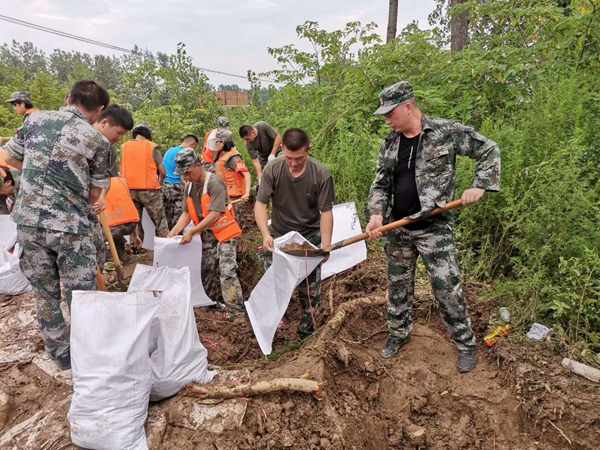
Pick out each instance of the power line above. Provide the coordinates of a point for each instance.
(64, 34)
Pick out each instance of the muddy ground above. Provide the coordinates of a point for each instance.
(519, 397)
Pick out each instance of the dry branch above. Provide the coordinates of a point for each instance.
(331, 328)
(252, 389)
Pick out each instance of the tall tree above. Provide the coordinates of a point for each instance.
(392, 21)
(459, 27)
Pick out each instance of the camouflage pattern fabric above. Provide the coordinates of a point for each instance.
(118, 233)
(230, 284)
(210, 266)
(62, 156)
(51, 259)
(308, 291)
(442, 140)
(435, 244)
(173, 202)
(152, 200)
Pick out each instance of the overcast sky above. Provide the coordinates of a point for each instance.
(226, 35)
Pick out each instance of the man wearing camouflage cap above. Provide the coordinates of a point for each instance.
(205, 204)
(231, 169)
(415, 174)
(21, 101)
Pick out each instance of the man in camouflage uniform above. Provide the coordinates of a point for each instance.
(228, 160)
(172, 190)
(63, 160)
(415, 174)
(191, 169)
(23, 104)
(114, 123)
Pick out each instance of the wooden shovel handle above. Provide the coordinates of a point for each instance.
(397, 224)
(111, 243)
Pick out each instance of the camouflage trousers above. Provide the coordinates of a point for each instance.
(173, 202)
(219, 270)
(153, 202)
(118, 233)
(435, 245)
(308, 291)
(51, 259)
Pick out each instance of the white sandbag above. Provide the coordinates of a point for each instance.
(149, 231)
(8, 232)
(111, 334)
(178, 358)
(12, 280)
(168, 252)
(346, 224)
(270, 298)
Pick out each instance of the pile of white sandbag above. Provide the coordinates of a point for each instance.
(12, 280)
(127, 349)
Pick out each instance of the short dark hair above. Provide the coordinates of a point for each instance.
(142, 131)
(89, 95)
(245, 130)
(117, 116)
(295, 139)
(27, 104)
(191, 136)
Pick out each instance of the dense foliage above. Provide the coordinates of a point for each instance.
(166, 91)
(528, 79)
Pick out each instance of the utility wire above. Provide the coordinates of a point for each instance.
(54, 31)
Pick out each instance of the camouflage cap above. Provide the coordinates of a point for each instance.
(184, 160)
(20, 96)
(220, 135)
(393, 95)
(222, 122)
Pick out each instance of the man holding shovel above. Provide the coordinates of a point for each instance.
(416, 174)
(301, 193)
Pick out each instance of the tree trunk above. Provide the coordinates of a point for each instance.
(392, 20)
(459, 28)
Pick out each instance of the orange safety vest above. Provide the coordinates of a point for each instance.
(206, 153)
(138, 165)
(119, 205)
(226, 227)
(236, 185)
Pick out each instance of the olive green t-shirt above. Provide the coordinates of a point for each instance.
(215, 189)
(297, 203)
(263, 144)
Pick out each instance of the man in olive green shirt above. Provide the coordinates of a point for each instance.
(301, 192)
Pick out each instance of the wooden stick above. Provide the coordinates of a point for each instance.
(111, 244)
(100, 281)
(254, 389)
(580, 369)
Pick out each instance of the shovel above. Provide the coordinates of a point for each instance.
(113, 248)
(301, 250)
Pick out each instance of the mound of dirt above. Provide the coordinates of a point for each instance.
(517, 398)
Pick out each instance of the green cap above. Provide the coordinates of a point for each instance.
(20, 96)
(393, 95)
(184, 160)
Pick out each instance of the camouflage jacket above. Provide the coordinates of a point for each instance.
(435, 165)
(63, 155)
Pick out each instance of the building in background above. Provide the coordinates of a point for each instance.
(231, 98)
